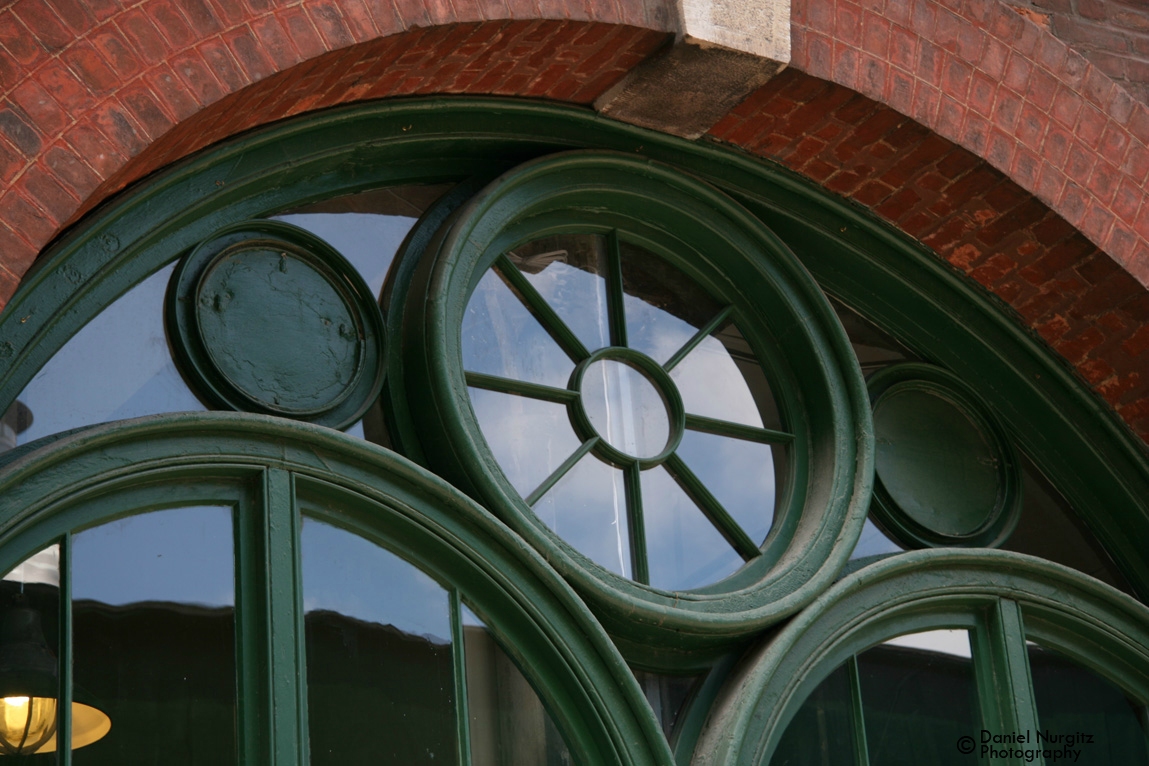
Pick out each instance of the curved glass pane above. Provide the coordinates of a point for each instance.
(625, 408)
(508, 724)
(153, 605)
(528, 437)
(568, 273)
(587, 509)
(1080, 710)
(380, 668)
(685, 549)
(501, 337)
(822, 732)
(117, 366)
(722, 379)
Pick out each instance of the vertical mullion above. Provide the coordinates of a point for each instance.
(252, 644)
(633, 480)
(616, 314)
(857, 714)
(288, 661)
(64, 633)
(1002, 674)
(459, 661)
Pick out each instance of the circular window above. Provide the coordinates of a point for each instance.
(639, 378)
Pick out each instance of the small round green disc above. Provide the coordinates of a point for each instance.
(266, 317)
(946, 473)
(278, 330)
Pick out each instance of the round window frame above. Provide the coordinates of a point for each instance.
(705, 234)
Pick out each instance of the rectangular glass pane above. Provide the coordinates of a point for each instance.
(509, 725)
(29, 685)
(153, 605)
(918, 698)
(1079, 710)
(380, 668)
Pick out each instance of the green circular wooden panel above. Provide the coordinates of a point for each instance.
(945, 472)
(269, 318)
(777, 307)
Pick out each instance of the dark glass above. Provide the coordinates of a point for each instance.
(1072, 700)
(1049, 528)
(30, 597)
(684, 548)
(739, 473)
(117, 366)
(668, 696)
(153, 605)
(587, 509)
(822, 731)
(508, 724)
(380, 680)
(567, 272)
(501, 337)
(918, 698)
(874, 347)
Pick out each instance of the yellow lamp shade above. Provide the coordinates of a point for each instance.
(28, 725)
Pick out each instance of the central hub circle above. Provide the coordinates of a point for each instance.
(625, 408)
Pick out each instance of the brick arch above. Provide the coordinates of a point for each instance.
(978, 73)
(96, 95)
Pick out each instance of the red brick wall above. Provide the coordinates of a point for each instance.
(1113, 34)
(1061, 285)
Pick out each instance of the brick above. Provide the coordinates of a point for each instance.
(83, 59)
(117, 52)
(250, 54)
(25, 218)
(20, 132)
(1041, 89)
(171, 23)
(67, 167)
(194, 72)
(302, 32)
(49, 195)
(329, 21)
(174, 94)
(39, 107)
(145, 110)
(903, 48)
(143, 35)
(44, 25)
(201, 17)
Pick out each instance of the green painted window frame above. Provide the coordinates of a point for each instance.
(1000, 596)
(258, 465)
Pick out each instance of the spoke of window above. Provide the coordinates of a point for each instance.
(561, 471)
(614, 292)
(1002, 671)
(64, 709)
(459, 661)
(633, 477)
(521, 388)
(713, 509)
(737, 430)
(542, 310)
(857, 714)
(699, 336)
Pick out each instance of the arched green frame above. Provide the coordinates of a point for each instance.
(1073, 437)
(1000, 596)
(779, 309)
(261, 464)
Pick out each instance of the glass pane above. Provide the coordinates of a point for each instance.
(117, 366)
(874, 542)
(1072, 700)
(722, 379)
(153, 605)
(529, 438)
(587, 509)
(918, 698)
(380, 680)
(874, 348)
(822, 731)
(567, 271)
(740, 475)
(367, 228)
(29, 670)
(667, 696)
(509, 725)
(500, 337)
(664, 307)
(684, 549)
(1050, 529)
(625, 408)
